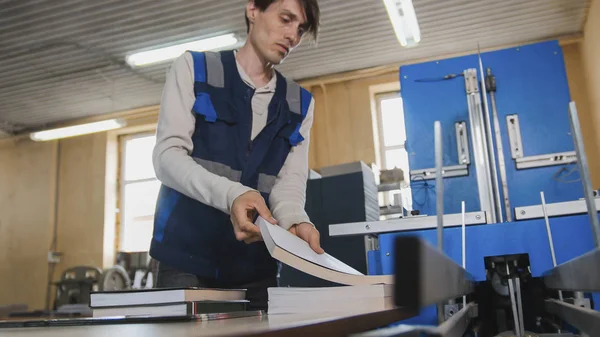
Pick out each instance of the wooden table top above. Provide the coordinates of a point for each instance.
(311, 325)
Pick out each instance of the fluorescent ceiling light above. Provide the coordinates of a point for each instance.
(404, 20)
(77, 130)
(153, 56)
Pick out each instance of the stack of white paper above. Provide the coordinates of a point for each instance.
(296, 253)
(344, 299)
(360, 293)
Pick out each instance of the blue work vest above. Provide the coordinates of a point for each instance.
(199, 239)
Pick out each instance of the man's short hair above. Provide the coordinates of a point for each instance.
(311, 9)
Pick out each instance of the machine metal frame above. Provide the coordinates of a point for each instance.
(553, 209)
(464, 158)
(584, 319)
(480, 146)
(580, 274)
(517, 152)
(490, 83)
(405, 224)
(455, 326)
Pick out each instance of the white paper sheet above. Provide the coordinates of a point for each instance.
(293, 244)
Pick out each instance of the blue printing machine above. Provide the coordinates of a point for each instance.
(571, 234)
(531, 82)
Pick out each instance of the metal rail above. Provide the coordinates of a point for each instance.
(419, 271)
(579, 274)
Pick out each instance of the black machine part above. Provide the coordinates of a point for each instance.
(495, 306)
(490, 81)
(115, 278)
(76, 284)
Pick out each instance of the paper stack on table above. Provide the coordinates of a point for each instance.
(343, 299)
(361, 293)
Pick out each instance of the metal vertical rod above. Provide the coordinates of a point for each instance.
(513, 303)
(439, 184)
(584, 172)
(479, 143)
(490, 143)
(520, 306)
(464, 246)
(499, 146)
(488, 178)
(549, 231)
(578, 295)
(439, 202)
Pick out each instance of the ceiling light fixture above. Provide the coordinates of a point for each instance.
(77, 130)
(404, 20)
(158, 55)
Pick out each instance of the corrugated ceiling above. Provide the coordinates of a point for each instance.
(62, 60)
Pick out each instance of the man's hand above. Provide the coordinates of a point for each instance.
(243, 210)
(308, 233)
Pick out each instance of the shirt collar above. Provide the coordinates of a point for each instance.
(269, 87)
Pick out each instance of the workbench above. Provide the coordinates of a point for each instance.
(316, 324)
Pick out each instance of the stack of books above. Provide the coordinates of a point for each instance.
(343, 299)
(167, 302)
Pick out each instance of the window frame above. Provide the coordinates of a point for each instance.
(123, 139)
(379, 97)
(381, 149)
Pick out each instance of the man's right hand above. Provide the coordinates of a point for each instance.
(243, 210)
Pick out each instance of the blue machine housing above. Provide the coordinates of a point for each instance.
(531, 82)
(571, 234)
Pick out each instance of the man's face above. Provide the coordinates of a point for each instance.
(277, 30)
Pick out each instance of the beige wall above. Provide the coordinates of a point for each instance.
(28, 181)
(342, 131)
(578, 88)
(81, 201)
(590, 51)
(27, 176)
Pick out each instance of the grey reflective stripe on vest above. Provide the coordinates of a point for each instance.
(265, 182)
(220, 169)
(214, 68)
(293, 96)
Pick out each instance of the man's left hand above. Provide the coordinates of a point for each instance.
(308, 233)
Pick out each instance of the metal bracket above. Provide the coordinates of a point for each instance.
(582, 302)
(553, 209)
(514, 136)
(522, 162)
(546, 160)
(447, 172)
(464, 158)
(462, 143)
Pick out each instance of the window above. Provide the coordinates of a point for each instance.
(138, 192)
(392, 138)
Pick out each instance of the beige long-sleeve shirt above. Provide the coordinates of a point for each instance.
(175, 167)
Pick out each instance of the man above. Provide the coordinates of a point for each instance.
(232, 136)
